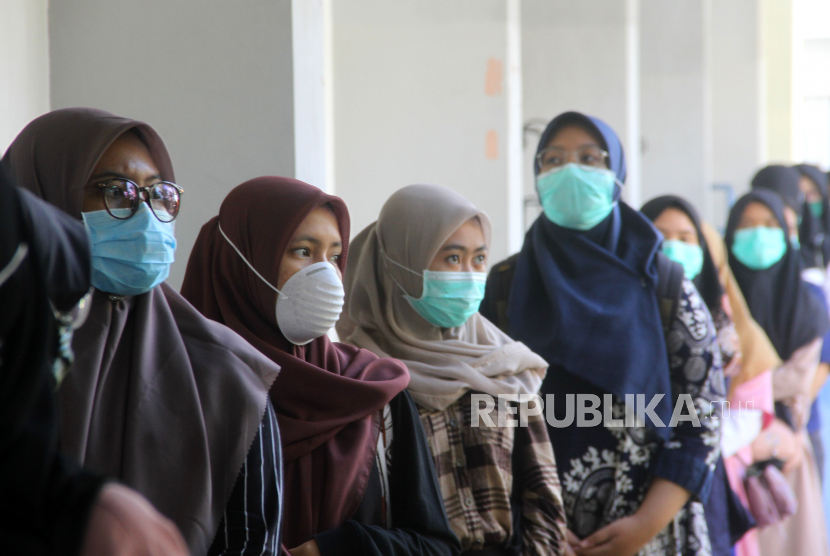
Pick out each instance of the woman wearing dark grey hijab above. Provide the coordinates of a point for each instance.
(159, 397)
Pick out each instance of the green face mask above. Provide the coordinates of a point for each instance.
(689, 256)
(449, 298)
(794, 241)
(576, 197)
(817, 209)
(759, 248)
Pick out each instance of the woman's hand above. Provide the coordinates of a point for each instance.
(628, 535)
(624, 537)
(308, 548)
(778, 440)
(572, 542)
(123, 522)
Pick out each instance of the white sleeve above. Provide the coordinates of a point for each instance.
(739, 428)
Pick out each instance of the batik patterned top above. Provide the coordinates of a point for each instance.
(607, 470)
(488, 473)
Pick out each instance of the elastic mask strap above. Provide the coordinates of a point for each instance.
(385, 259)
(241, 256)
(14, 263)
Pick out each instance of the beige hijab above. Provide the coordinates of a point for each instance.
(444, 363)
(757, 353)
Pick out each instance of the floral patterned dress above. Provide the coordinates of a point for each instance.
(606, 471)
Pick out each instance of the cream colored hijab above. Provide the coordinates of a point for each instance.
(444, 363)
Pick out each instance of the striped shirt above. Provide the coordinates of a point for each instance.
(253, 514)
(478, 468)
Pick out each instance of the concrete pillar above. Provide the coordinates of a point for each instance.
(24, 65)
(217, 79)
(777, 48)
(426, 92)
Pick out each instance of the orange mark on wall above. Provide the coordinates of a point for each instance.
(491, 145)
(493, 77)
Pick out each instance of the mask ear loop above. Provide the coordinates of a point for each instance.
(386, 258)
(241, 256)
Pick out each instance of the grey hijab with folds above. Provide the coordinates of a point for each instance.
(160, 398)
(444, 363)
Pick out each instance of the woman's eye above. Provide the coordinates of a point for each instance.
(335, 258)
(453, 259)
(480, 259)
(302, 252)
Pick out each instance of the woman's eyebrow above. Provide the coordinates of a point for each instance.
(309, 239)
(453, 247)
(114, 174)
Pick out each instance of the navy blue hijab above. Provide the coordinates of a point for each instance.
(586, 301)
(778, 299)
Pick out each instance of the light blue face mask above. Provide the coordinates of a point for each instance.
(759, 248)
(448, 298)
(577, 197)
(129, 257)
(689, 256)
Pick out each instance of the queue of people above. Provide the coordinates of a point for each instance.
(223, 420)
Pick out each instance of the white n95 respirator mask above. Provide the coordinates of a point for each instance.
(310, 302)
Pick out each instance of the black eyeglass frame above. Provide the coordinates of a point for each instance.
(102, 185)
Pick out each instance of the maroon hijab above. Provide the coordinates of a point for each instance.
(161, 398)
(328, 395)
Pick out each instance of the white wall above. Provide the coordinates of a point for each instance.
(24, 65)
(213, 77)
(413, 91)
(674, 91)
(737, 108)
(420, 96)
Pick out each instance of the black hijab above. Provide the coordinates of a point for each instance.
(586, 301)
(779, 300)
(45, 500)
(813, 231)
(783, 180)
(707, 282)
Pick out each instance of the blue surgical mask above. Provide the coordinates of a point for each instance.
(449, 298)
(689, 256)
(575, 196)
(759, 248)
(795, 242)
(129, 257)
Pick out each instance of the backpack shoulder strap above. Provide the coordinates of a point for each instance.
(669, 286)
(501, 280)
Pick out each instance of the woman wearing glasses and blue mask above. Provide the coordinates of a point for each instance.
(413, 291)
(585, 292)
(159, 397)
